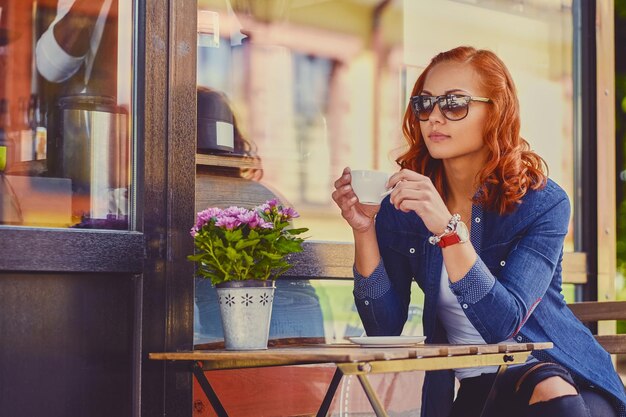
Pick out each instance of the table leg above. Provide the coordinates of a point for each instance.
(330, 393)
(371, 396)
(208, 390)
(493, 392)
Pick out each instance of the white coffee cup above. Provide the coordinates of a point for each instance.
(369, 185)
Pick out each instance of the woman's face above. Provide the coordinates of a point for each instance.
(446, 139)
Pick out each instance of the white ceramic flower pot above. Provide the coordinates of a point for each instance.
(246, 310)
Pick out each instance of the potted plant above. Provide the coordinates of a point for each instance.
(242, 251)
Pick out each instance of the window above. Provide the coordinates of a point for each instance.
(65, 114)
(317, 86)
(302, 89)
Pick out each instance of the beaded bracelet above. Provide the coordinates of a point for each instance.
(434, 239)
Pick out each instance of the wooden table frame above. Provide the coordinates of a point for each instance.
(353, 360)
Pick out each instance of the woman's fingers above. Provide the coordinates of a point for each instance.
(402, 175)
(409, 177)
(425, 202)
(407, 198)
(346, 178)
(359, 217)
(343, 193)
(399, 195)
(407, 189)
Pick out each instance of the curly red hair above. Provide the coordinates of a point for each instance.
(511, 168)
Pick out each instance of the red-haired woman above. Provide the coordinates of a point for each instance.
(475, 221)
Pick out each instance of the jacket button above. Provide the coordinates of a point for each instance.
(477, 219)
(464, 306)
(366, 302)
(502, 263)
(412, 250)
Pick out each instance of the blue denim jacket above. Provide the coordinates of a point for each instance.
(512, 290)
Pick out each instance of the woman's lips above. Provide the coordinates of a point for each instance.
(438, 137)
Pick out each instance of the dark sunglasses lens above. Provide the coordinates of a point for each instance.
(422, 106)
(454, 107)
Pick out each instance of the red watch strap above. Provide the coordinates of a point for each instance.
(449, 240)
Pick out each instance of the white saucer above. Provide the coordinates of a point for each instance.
(387, 341)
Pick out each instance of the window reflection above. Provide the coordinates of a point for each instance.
(318, 86)
(314, 309)
(64, 113)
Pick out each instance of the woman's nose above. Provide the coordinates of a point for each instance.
(436, 116)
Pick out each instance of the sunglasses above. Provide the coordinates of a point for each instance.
(453, 106)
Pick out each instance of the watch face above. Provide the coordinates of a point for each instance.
(462, 232)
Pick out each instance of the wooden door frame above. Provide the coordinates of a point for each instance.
(166, 99)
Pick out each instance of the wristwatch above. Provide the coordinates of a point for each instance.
(459, 234)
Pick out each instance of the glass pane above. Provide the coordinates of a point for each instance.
(620, 127)
(65, 113)
(302, 308)
(319, 85)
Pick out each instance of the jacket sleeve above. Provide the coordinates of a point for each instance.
(377, 303)
(498, 308)
(383, 298)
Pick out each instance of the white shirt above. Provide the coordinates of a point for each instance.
(458, 327)
(56, 65)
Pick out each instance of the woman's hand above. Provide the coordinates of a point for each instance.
(416, 192)
(359, 216)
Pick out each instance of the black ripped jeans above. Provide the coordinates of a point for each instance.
(514, 389)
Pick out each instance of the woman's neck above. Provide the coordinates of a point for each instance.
(461, 177)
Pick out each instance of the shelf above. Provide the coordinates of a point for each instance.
(232, 161)
(28, 168)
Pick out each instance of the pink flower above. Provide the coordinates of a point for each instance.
(204, 217)
(227, 222)
(253, 220)
(217, 232)
(263, 208)
(267, 207)
(288, 213)
(234, 211)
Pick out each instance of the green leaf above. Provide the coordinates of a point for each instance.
(288, 246)
(232, 254)
(272, 256)
(242, 244)
(217, 242)
(270, 235)
(233, 235)
(281, 271)
(297, 231)
(247, 259)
